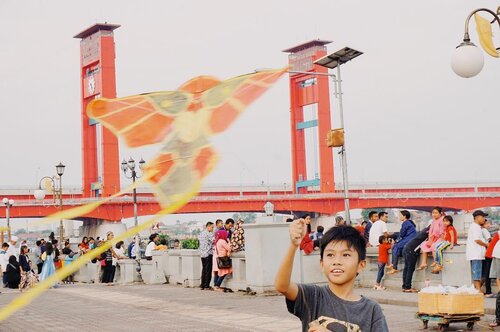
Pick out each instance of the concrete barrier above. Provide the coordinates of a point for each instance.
(256, 267)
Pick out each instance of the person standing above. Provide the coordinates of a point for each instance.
(222, 249)
(206, 249)
(108, 274)
(372, 218)
(237, 241)
(228, 226)
(4, 261)
(411, 251)
(476, 247)
(48, 268)
(38, 255)
(27, 277)
(379, 228)
(219, 225)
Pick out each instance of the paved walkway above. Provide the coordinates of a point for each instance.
(175, 308)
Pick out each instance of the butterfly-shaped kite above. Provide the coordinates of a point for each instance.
(183, 121)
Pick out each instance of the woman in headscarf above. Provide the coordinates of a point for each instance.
(13, 273)
(221, 249)
(237, 241)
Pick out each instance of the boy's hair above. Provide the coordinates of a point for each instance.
(449, 218)
(364, 222)
(371, 214)
(289, 220)
(344, 233)
(230, 221)
(405, 213)
(5, 245)
(381, 239)
(304, 216)
(209, 224)
(381, 214)
(38, 242)
(320, 229)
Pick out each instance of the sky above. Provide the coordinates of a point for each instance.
(408, 117)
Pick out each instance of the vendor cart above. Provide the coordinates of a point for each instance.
(444, 320)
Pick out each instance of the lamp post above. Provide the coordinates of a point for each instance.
(467, 60)
(332, 61)
(8, 204)
(129, 168)
(40, 194)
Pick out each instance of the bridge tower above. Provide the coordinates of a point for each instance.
(101, 171)
(310, 118)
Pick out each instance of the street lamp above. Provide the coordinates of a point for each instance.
(8, 203)
(331, 61)
(467, 60)
(129, 167)
(40, 194)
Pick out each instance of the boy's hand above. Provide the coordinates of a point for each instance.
(297, 231)
(451, 246)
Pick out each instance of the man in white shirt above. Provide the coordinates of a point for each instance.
(379, 228)
(12, 247)
(476, 247)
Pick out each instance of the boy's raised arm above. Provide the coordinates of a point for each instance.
(282, 282)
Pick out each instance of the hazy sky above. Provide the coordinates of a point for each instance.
(408, 117)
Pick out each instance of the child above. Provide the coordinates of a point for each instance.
(383, 259)
(335, 306)
(450, 239)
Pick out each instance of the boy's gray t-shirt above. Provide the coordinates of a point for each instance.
(320, 304)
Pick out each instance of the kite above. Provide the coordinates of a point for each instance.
(183, 122)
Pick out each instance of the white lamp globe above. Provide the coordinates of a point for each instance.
(39, 194)
(467, 60)
(5, 200)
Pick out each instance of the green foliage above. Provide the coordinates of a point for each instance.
(190, 244)
(164, 237)
(249, 217)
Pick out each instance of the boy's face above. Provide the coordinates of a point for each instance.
(341, 264)
(374, 217)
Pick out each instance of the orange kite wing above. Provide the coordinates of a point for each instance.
(141, 119)
(230, 98)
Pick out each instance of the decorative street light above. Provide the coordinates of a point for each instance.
(40, 194)
(331, 61)
(129, 167)
(467, 60)
(8, 204)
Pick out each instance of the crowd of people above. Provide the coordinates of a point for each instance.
(216, 245)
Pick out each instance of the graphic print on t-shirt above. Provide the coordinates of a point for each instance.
(335, 325)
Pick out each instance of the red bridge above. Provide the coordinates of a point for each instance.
(308, 86)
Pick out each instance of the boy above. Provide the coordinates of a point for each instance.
(383, 258)
(333, 307)
(450, 239)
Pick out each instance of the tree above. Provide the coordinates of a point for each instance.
(248, 217)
